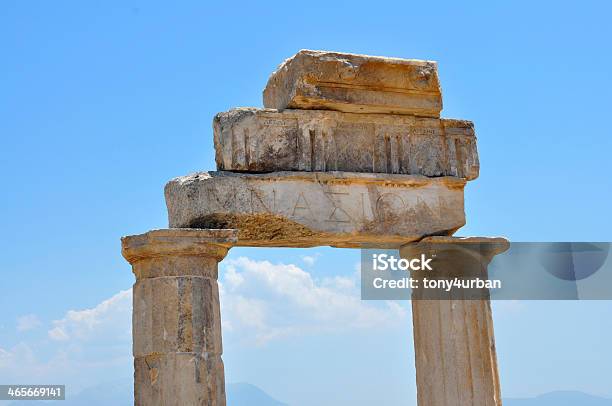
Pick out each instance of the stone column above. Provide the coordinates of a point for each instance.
(176, 322)
(456, 363)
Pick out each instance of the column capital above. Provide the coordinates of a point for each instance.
(178, 242)
(485, 247)
(455, 259)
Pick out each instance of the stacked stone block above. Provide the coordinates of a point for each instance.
(350, 150)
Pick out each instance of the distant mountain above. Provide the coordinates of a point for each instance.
(560, 398)
(245, 394)
(120, 393)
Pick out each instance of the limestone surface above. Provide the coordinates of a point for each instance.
(303, 209)
(178, 379)
(324, 80)
(264, 140)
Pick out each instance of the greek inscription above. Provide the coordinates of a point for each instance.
(271, 122)
(423, 131)
(302, 204)
(389, 205)
(338, 214)
(259, 205)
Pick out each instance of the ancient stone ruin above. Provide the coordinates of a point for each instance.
(349, 151)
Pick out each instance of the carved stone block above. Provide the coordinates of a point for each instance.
(302, 209)
(256, 140)
(324, 80)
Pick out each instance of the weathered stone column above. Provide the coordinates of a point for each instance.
(176, 321)
(456, 363)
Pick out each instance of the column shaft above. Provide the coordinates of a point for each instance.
(455, 353)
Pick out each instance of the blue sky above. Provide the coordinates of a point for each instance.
(102, 103)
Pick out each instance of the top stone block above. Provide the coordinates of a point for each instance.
(322, 80)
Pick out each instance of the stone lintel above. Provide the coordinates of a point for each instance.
(324, 80)
(178, 242)
(304, 209)
(265, 140)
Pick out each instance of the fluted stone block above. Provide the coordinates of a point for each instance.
(178, 379)
(176, 318)
(325, 80)
(184, 310)
(265, 140)
(318, 208)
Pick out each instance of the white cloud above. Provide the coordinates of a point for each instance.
(310, 259)
(21, 353)
(111, 318)
(28, 322)
(268, 301)
(81, 349)
(58, 334)
(260, 300)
